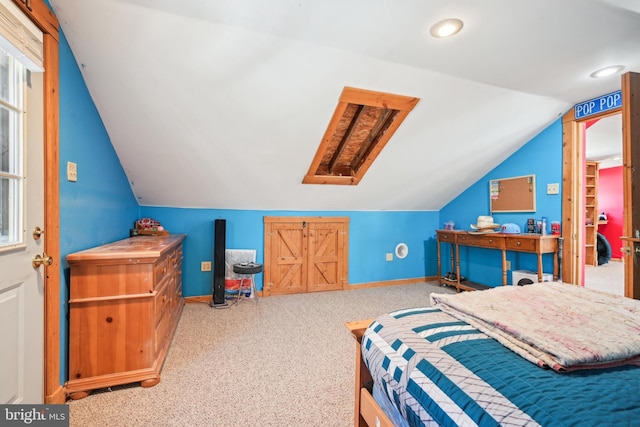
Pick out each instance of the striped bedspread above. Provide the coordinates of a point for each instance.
(564, 327)
(437, 370)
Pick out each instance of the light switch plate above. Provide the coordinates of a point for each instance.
(389, 257)
(205, 266)
(72, 171)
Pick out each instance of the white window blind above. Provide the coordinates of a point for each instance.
(20, 37)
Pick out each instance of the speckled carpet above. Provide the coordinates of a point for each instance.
(285, 361)
(607, 277)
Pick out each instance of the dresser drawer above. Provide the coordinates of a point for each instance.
(482, 240)
(162, 329)
(163, 298)
(520, 244)
(161, 269)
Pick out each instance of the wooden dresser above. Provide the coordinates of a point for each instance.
(125, 301)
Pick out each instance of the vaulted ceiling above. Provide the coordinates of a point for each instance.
(231, 99)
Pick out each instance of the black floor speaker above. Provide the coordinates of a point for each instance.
(219, 243)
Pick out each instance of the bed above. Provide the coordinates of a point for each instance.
(547, 354)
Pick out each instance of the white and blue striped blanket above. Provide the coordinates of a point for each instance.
(440, 371)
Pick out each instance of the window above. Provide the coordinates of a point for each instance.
(12, 74)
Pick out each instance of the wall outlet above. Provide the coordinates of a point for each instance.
(389, 257)
(72, 171)
(205, 266)
(553, 188)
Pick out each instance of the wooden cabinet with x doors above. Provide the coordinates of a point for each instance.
(305, 254)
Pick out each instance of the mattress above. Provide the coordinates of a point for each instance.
(437, 370)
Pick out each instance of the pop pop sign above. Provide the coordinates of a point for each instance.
(598, 105)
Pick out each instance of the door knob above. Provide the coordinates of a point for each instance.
(37, 232)
(626, 250)
(38, 260)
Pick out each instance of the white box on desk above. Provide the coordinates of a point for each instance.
(518, 275)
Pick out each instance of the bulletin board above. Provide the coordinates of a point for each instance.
(516, 194)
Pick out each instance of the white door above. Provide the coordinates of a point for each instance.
(21, 285)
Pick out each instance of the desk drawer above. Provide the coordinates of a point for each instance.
(481, 240)
(446, 237)
(520, 244)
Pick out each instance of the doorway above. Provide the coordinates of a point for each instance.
(305, 254)
(573, 201)
(604, 271)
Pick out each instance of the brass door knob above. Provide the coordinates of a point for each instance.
(38, 260)
(37, 233)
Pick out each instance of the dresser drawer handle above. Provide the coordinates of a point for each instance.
(518, 243)
(109, 319)
(490, 240)
(464, 238)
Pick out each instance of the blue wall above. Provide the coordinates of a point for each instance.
(542, 156)
(100, 207)
(371, 236)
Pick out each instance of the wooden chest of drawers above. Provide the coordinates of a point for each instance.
(125, 301)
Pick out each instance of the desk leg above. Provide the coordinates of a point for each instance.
(452, 264)
(439, 264)
(555, 266)
(504, 267)
(458, 267)
(540, 268)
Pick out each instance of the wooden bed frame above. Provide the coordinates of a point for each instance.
(365, 410)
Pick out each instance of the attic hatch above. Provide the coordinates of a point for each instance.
(362, 124)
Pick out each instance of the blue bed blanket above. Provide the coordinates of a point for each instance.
(440, 371)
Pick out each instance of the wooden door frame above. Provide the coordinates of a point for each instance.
(573, 204)
(631, 130)
(573, 181)
(317, 219)
(40, 14)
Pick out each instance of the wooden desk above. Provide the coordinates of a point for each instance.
(529, 243)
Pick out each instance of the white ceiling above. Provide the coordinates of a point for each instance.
(604, 141)
(223, 103)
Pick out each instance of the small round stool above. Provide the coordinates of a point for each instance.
(248, 269)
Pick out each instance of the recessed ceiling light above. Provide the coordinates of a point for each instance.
(446, 28)
(607, 71)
